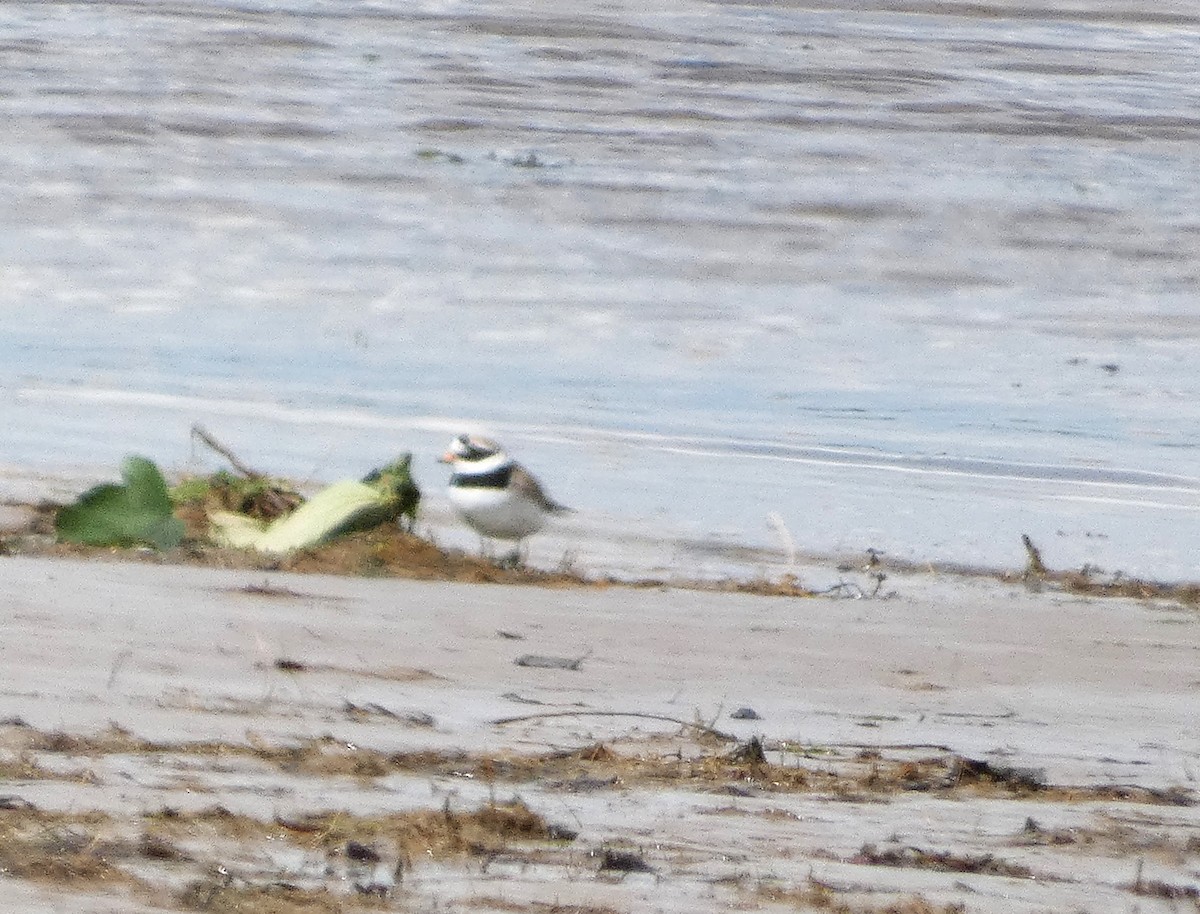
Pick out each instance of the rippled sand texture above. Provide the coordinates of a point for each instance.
(914, 276)
(191, 739)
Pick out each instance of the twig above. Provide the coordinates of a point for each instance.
(849, 589)
(895, 747)
(1036, 566)
(200, 432)
(277, 503)
(703, 728)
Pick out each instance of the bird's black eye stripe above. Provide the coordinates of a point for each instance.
(472, 451)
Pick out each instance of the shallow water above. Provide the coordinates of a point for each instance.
(918, 276)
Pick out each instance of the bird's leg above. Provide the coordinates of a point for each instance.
(514, 559)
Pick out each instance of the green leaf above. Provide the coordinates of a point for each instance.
(395, 484)
(123, 515)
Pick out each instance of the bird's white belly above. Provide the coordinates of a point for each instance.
(496, 512)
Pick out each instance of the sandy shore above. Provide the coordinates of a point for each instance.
(962, 742)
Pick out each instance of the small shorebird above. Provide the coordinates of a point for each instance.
(493, 493)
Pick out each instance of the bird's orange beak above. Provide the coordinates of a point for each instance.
(448, 457)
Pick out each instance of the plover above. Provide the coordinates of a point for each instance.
(493, 493)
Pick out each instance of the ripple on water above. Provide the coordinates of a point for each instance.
(857, 267)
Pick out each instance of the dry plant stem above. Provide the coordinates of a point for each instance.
(1036, 566)
(847, 588)
(703, 728)
(201, 433)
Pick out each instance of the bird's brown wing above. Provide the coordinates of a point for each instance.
(523, 481)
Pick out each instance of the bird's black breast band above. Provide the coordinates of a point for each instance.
(497, 479)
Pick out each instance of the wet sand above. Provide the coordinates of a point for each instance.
(183, 738)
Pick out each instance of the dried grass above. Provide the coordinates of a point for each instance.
(219, 894)
(817, 896)
(59, 849)
(859, 776)
(939, 861)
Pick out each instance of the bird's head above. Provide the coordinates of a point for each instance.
(470, 449)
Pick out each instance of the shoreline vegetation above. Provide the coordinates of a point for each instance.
(377, 538)
(388, 551)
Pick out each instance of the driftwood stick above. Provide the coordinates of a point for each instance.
(703, 728)
(200, 432)
(278, 504)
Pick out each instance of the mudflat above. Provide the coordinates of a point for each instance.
(181, 738)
